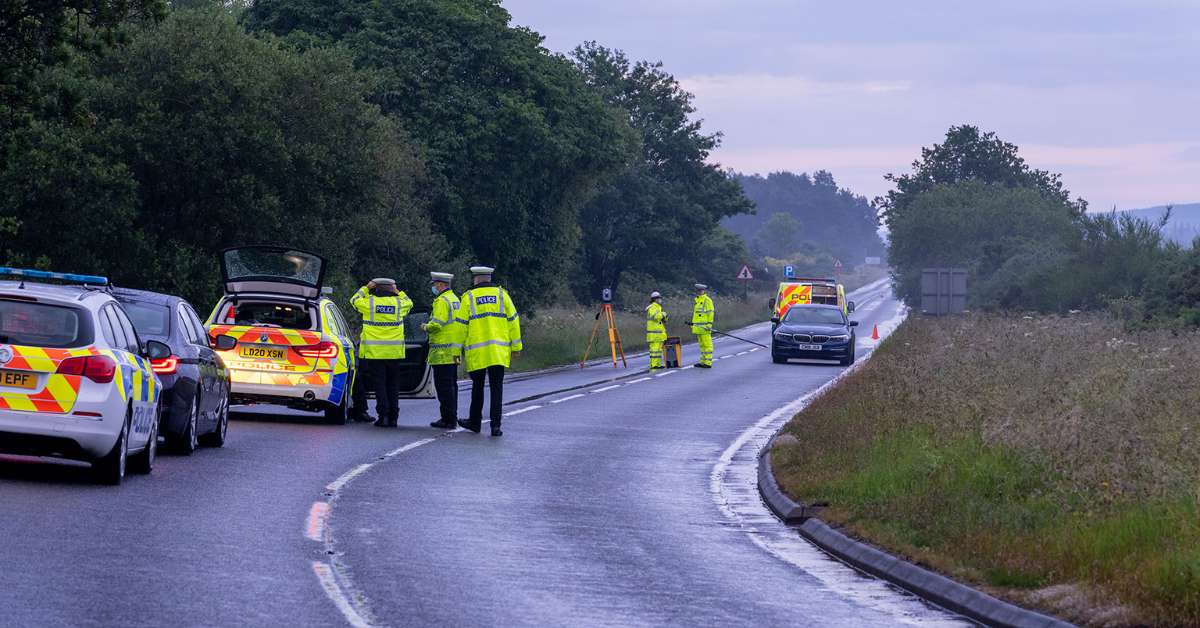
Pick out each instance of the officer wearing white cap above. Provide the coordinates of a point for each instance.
(381, 346)
(656, 330)
(702, 319)
(446, 336)
(493, 338)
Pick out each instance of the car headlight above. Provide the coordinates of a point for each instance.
(782, 336)
(841, 338)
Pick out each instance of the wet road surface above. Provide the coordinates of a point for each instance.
(614, 498)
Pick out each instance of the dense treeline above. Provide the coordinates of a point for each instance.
(972, 203)
(391, 137)
(808, 222)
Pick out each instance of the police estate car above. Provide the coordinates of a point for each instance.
(75, 379)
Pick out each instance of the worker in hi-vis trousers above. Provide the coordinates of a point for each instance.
(702, 320)
(656, 330)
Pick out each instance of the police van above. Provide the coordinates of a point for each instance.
(76, 381)
(809, 291)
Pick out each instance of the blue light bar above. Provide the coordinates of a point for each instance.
(41, 274)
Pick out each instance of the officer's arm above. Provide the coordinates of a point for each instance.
(360, 301)
(439, 316)
(514, 325)
(406, 305)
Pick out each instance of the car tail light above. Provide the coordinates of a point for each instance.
(98, 368)
(323, 350)
(165, 365)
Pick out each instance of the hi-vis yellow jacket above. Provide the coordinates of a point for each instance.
(493, 327)
(702, 315)
(383, 324)
(446, 333)
(656, 331)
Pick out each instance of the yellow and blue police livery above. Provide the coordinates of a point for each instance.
(293, 347)
(75, 379)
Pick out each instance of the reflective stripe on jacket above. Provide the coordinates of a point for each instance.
(493, 327)
(446, 333)
(383, 324)
(703, 314)
(656, 331)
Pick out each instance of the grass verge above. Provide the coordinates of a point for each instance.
(1050, 460)
(559, 335)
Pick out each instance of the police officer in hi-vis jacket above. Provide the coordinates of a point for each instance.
(446, 335)
(381, 346)
(493, 338)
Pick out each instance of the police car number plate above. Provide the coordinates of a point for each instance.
(18, 379)
(259, 352)
(810, 347)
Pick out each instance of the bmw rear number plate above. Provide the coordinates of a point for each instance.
(269, 354)
(810, 347)
(17, 379)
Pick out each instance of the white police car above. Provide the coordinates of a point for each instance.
(75, 380)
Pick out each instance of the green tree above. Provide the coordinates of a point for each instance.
(968, 154)
(39, 34)
(206, 137)
(779, 234)
(655, 214)
(516, 143)
(978, 227)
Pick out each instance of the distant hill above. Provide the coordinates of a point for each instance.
(1184, 225)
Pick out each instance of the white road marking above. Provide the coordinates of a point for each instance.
(644, 379)
(408, 447)
(521, 410)
(756, 349)
(335, 593)
(737, 470)
(744, 352)
(613, 387)
(567, 398)
(666, 373)
(725, 356)
(317, 518)
(690, 366)
(347, 476)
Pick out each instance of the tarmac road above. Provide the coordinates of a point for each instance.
(614, 498)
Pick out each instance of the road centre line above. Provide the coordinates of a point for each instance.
(666, 373)
(329, 583)
(347, 476)
(614, 386)
(644, 379)
(527, 409)
(407, 447)
(744, 352)
(566, 398)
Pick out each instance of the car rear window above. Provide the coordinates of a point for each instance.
(813, 316)
(268, 314)
(149, 318)
(43, 325)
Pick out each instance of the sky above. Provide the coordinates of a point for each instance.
(1105, 92)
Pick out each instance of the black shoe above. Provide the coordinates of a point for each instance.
(444, 424)
(703, 366)
(393, 422)
(496, 431)
(467, 425)
(362, 418)
(381, 422)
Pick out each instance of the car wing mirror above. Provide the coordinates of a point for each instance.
(771, 304)
(854, 323)
(850, 306)
(775, 319)
(156, 350)
(226, 342)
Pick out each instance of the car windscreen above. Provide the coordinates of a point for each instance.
(824, 295)
(149, 319)
(268, 314)
(44, 325)
(799, 315)
(272, 263)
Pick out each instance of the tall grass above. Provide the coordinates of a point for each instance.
(559, 335)
(1053, 458)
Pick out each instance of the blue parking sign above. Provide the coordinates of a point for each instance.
(789, 271)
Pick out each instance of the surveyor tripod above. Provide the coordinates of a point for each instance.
(614, 336)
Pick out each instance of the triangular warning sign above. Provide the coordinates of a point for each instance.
(745, 272)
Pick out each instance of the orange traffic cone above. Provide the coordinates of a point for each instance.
(875, 333)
